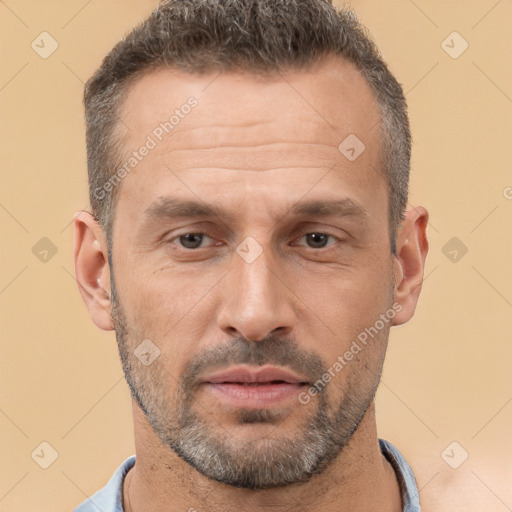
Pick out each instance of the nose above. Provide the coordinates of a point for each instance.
(256, 300)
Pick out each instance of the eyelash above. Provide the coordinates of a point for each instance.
(210, 235)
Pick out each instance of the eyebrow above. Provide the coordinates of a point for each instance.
(165, 208)
(341, 207)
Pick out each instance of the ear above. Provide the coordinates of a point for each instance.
(91, 268)
(409, 262)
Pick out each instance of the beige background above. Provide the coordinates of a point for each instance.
(447, 375)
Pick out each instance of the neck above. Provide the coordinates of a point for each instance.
(360, 479)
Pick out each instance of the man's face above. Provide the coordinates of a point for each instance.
(269, 287)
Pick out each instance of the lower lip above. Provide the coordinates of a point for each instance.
(260, 396)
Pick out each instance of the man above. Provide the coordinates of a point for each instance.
(250, 245)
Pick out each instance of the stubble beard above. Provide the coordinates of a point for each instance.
(275, 460)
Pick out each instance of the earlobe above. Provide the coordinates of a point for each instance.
(409, 262)
(91, 268)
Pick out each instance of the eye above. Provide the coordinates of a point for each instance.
(317, 240)
(192, 240)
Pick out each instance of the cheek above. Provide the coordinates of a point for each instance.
(171, 311)
(350, 300)
(348, 313)
(357, 366)
(161, 299)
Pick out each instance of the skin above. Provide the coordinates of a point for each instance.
(255, 148)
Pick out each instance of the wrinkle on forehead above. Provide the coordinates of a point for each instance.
(240, 109)
(288, 130)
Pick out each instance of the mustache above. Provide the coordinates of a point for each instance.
(274, 350)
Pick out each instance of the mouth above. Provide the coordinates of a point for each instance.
(243, 386)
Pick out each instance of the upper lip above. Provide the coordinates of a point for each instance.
(247, 374)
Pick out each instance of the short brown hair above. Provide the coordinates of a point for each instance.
(261, 36)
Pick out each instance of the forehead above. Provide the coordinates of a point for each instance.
(231, 127)
(320, 104)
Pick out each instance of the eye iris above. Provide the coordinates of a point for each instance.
(193, 240)
(317, 239)
(188, 240)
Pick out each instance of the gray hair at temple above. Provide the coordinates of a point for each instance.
(263, 37)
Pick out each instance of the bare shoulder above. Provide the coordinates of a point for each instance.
(476, 485)
(462, 490)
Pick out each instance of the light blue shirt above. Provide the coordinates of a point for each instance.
(110, 498)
